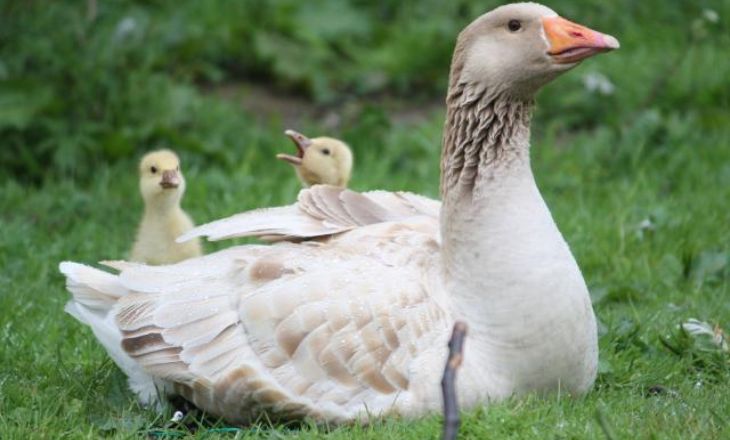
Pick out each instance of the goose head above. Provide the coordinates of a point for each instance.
(160, 178)
(518, 48)
(320, 160)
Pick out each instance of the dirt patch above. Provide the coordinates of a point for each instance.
(266, 103)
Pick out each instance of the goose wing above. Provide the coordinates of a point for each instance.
(322, 210)
(330, 331)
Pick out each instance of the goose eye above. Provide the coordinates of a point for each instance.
(326, 152)
(514, 25)
(153, 170)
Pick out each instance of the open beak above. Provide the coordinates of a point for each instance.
(301, 142)
(170, 179)
(571, 43)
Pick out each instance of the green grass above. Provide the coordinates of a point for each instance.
(655, 152)
(601, 185)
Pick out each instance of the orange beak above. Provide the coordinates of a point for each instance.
(571, 43)
(170, 179)
(301, 142)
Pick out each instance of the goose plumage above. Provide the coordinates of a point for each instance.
(347, 316)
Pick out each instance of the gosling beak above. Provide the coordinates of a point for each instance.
(170, 179)
(301, 142)
(571, 43)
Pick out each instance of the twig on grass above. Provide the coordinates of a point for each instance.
(448, 386)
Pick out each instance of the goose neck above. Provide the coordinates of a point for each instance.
(492, 213)
(486, 138)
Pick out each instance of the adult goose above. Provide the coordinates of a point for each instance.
(354, 325)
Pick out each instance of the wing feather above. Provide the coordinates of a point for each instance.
(320, 211)
(284, 221)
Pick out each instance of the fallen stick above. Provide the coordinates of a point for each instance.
(448, 385)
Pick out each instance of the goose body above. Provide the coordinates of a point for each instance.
(347, 315)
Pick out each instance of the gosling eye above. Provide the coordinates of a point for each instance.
(514, 25)
(153, 169)
(177, 168)
(326, 151)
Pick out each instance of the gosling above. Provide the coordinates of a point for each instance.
(162, 186)
(319, 161)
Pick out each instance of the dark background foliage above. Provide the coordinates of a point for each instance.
(89, 81)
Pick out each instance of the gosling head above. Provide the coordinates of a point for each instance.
(517, 48)
(160, 179)
(319, 161)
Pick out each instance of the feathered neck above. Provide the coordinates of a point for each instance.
(486, 133)
(505, 265)
(490, 200)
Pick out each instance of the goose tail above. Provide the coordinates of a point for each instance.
(94, 295)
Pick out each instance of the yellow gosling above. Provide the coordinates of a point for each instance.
(320, 161)
(162, 186)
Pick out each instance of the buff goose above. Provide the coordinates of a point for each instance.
(354, 325)
(321, 160)
(162, 186)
